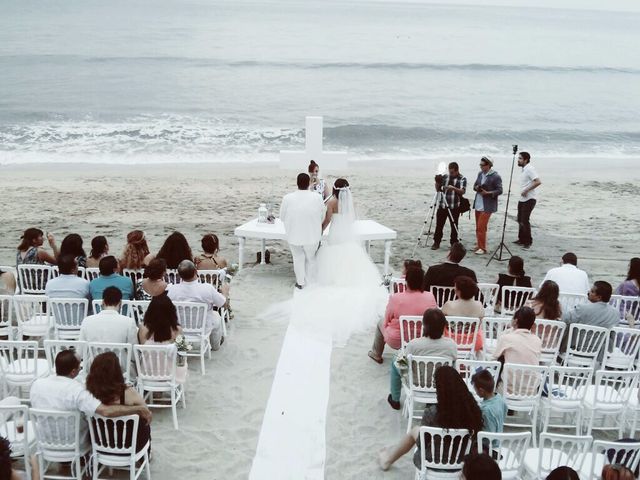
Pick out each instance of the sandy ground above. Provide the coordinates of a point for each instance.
(585, 206)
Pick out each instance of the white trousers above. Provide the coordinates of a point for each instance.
(304, 260)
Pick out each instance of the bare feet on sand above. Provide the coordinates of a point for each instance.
(383, 459)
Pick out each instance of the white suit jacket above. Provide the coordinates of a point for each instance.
(302, 213)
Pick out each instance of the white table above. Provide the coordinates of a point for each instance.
(367, 231)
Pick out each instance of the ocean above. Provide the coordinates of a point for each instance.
(231, 81)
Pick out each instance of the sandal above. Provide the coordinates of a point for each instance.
(374, 358)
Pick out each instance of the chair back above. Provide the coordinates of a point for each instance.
(122, 350)
(515, 297)
(91, 273)
(558, 450)
(33, 278)
(492, 328)
(57, 434)
(446, 448)
(487, 294)
(19, 360)
(523, 383)
(53, 347)
(422, 372)
(14, 426)
(568, 301)
(463, 331)
(551, 333)
(443, 294)
(155, 363)
(612, 390)
(68, 314)
(134, 274)
(6, 316)
(584, 344)
(622, 348)
(31, 314)
(397, 285)
(192, 317)
(410, 328)
(567, 386)
(510, 449)
(616, 453)
(468, 368)
(628, 307)
(125, 306)
(172, 276)
(136, 310)
(212, 277)
(113, 436)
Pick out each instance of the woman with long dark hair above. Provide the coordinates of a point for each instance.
(455, 408)
(30, 251)
(545, 303)
(99, 249)
(174, 250)
(515, 277)
(72, 245)
(631, 286)
(106, 382)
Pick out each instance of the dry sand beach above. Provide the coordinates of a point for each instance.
(584, 206)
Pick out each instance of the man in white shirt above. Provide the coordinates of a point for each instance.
(109, 326)
(191, 290)
(529, 181)
(569, 277)
(68, 284)
(63, 393)
(302, 213)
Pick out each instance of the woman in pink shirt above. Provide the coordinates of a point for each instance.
(413, 301)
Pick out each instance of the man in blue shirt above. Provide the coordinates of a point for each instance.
(68, 284)
(109, 278)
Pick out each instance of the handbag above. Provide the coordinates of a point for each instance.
(465, 205)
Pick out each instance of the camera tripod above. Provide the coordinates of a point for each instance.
(439, 198)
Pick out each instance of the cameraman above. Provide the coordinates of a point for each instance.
(452, 186)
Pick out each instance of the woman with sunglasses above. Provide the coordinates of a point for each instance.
(488, 188)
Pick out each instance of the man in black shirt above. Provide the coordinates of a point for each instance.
(452, 186)
(444, 274)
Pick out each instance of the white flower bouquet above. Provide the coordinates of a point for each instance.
(183, 347)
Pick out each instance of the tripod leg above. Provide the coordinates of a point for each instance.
(497, 254)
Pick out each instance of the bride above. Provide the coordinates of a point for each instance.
(347, 295)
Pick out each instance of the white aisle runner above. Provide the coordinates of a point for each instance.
(292, 440)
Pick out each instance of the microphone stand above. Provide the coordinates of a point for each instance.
(497, 254)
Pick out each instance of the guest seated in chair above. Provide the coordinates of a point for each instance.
(545, 304)
(7, 472)
(413, 301)
(515, 277)
(135, 252)
(106, 382)
(153, 283)
(455, 408)
(465, 306)
(174, 250)
(210, 260)
(99, 249)
(444, 274)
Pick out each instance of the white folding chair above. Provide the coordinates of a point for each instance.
(410, 328)
(6, 316)
(632, 412)
(18, 430)
(607, 399)
(551, 333)
(513, 298)
(113, 444)
(421, 389)
(33, 278)
(628, 308)
(463, 331)
(122, 350)
(556, 451)
(58, 441)
(156, 366)
(31, 316)
(605, 453)
(443, 294)
(91, 273)
(125, 305)
(568, 301)
(212, 277)
(522, 390)
(193, 319)
(136, 310)
(622, 348)
(397, 285)
(53, 347)
(14, 272)
(566, 390)
(492, 328)
(135, 274)
(510, 450)
(172, 276)
(468, 368)
(67, 315)
(443, 451)
(21, 366)
(584, 345)
(488, 295)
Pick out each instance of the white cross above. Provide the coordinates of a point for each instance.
(299, 160)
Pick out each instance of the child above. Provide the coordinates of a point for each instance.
(493, 406)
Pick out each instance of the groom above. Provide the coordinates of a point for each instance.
(302, 213)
